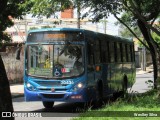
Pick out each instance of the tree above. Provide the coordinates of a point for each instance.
(8, 9)
(51, 7)
(124, 32)
(143, 13)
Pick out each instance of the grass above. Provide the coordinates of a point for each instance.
(126, 108)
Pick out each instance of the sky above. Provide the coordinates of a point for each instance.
(111, 28)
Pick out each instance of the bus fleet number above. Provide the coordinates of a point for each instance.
(66, 82)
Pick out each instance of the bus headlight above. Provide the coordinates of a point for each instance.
(78, 86)
(30, 86)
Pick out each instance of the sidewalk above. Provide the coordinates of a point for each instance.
(148, 70)
(17, 90)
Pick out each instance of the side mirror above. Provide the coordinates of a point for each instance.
(18, 52)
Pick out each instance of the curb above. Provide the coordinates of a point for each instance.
(15, 95)
(144, 72)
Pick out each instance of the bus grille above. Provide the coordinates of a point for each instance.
(50, 83)
(49, 89)
(56, 96)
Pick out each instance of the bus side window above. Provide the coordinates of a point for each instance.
(111, 50)
(132, 52)
(118, 53)
(115, 51)
(129, 53)
(124, 53)
(104, 51)
(108, 52)
(97, 52)
(90, 54)
(121, 52)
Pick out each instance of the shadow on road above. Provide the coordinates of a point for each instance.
(64, 108)
(73, 107)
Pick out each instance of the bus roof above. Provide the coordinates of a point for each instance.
(91, 33)
(55, 29)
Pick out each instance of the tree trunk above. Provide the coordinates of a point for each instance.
(153, 49)
(155, 68)
(5, 94)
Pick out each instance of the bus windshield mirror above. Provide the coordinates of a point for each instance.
(65, 47)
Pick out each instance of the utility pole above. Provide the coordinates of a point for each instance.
(105, 26)
(144, 58)
(25, 18)
(78, 13)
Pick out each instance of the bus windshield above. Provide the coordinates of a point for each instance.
(55, 61)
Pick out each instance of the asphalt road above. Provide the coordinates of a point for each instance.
(60, 111)
(65, 111)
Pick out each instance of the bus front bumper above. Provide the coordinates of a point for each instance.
(56, 96)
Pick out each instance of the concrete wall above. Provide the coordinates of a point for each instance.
(138, 58)
(14, 68)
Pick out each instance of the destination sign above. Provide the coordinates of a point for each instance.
(55, 36)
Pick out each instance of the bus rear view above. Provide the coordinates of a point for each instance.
(54, 67)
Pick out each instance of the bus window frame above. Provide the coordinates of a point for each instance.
(27, 66)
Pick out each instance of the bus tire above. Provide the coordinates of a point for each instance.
(125, 84)
(48, 104)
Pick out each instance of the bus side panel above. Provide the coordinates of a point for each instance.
(91, 83)
(118, 77)
(106, 78)
(115, 77)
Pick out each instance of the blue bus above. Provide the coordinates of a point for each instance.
(75, 65)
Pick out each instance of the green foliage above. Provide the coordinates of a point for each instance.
(148, 101)
(140, 13)
(33, 28)
(127, 17)
(132, 10)
(156, 38)
(10, 9)
(46, 27)
(127, 34)
(100, 9)
(49, 7)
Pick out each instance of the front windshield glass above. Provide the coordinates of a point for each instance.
(55, 61)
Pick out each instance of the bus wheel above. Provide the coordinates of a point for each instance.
(125, 84)
(48, 104)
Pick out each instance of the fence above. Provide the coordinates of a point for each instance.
(139, 61)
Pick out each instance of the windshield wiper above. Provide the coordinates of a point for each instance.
(68, 43)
